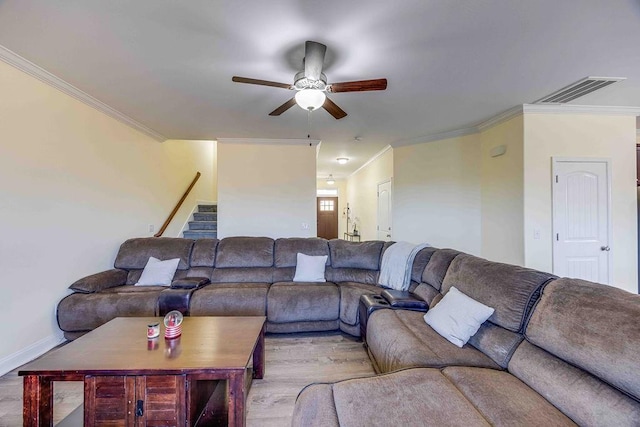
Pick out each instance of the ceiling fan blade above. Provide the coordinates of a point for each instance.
(284, 107)
(358, 86)
(313, 59)
(261, 82)
(333, 109)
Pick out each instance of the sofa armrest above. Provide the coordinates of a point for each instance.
(190, 282)
(100, 281)
(404, 300)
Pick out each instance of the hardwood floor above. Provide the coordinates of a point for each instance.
(292, 362)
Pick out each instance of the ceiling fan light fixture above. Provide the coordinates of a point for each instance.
(330, 180)
(310, 99)
(342, 160)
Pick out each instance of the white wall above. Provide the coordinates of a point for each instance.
(266, 189)
(362, 194)
(437, 193)
(581, 135)
(503, 193)
(75, 184)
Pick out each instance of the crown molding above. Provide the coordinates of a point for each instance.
(371, 160)
(268, 141)
(500, 118)
(603, 110)
(435, 137)
(44, 76)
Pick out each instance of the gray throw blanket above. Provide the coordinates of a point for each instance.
(397, 262)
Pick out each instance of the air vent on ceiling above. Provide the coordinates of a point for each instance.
(578, 89)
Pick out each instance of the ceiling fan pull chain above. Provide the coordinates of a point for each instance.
(309, 124)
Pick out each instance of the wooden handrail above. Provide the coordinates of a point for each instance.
(175, 210)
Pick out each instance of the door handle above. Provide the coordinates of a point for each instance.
(605, 248)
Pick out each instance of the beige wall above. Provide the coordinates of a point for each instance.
(437, 193)
(266, 189)
(362, 194)
(341, 186)
(75, 184)
(502, 193)
(575, 135)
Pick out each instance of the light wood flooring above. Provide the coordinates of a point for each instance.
(292, 362)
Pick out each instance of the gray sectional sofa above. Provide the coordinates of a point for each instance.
(248, 276)
(554, 352)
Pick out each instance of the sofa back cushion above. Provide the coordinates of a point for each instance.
(437, 267)
(234, 252)
(365, 255)
(134, 253)
(204, 253)
(594, 327)
(287, 249)
(420, 263)
(581, 352)
(509, 289)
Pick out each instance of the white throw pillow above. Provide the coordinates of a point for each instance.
(158, 272)
(457, 317)
(310, 268)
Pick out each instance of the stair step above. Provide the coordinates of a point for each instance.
(203, 225)
(200, 234)
(205, 216)
(207, 208)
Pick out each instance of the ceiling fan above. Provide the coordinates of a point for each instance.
(311, 84)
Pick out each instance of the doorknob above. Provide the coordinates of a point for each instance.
(605, 248)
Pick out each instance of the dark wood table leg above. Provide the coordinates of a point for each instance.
(237, 399)
(258, 356)
(37, 407)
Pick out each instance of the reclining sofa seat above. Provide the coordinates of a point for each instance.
(240, 279)
(398, 339)
(103, 296)
(577, 364)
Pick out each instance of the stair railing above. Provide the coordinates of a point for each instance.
(175, 210)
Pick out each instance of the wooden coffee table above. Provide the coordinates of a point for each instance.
(129, 380)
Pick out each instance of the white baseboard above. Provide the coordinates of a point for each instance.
(27, 354)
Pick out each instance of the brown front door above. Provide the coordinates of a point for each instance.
(328, 217)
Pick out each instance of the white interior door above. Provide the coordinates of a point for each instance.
(384, 211)
(581, 219)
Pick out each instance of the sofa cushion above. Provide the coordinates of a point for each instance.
(400, 339)
(359, 275)
(204, 253)
(365, 255)
(230, 299)
(310, 268)
(509, 289)
(295, 302)
(134, 275)
(245, 252)
(411, 397)
(457, 317)
(350, 293)
(594, 327)
(584, 398)
(315, 407)
(420, 263)
(158, 272)
(134, 253)
(286, 250)
(242, 275)
(502, 399)
(437, 267)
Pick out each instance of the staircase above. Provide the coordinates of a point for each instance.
(204, 224)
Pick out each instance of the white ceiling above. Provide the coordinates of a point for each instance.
(450, 63)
